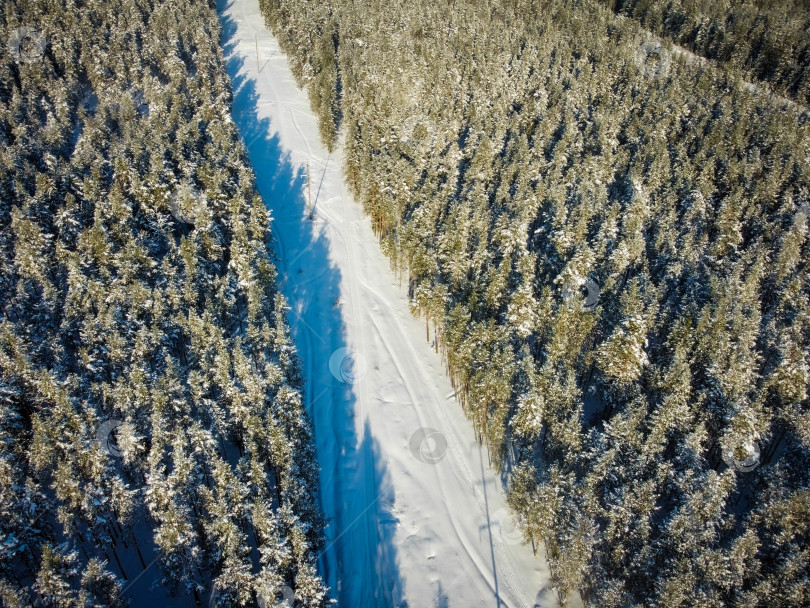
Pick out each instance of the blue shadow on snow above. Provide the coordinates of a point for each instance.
(359, 557)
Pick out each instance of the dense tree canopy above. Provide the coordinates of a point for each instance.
(768, 41)
(150, 395)
(512, 153)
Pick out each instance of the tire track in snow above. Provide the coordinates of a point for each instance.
(462, 540)
(368, 481)
(459, 468)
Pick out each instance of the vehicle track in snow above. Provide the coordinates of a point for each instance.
(458, 466)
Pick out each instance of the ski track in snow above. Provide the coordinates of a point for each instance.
(401, 532)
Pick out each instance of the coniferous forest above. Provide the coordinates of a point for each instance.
(600, 208)
(153, 431)
(608, 235)
(766, 41)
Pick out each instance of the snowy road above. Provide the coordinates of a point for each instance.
(416, 516)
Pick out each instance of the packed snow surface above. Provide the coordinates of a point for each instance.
(416, 516)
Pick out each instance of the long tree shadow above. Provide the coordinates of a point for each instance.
(358, 559)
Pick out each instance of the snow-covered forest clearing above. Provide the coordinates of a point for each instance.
(417, 516)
